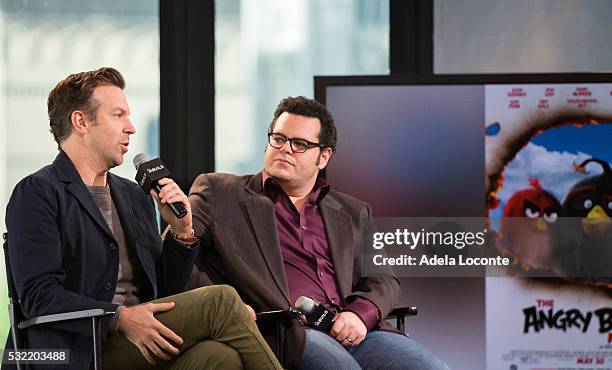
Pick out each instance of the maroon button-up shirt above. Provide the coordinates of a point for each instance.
(305, 250)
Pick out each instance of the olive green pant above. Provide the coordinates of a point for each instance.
(217, 333)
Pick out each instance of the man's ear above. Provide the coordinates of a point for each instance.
(79, 123)
(324, 157)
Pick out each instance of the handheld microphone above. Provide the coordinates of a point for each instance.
(316, 314)
(148, 172)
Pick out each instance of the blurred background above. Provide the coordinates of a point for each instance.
(264, 50)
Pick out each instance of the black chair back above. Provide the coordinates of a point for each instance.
(16, 317)
(14, 308)
(12, 291)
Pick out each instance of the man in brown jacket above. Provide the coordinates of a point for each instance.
(284, 233)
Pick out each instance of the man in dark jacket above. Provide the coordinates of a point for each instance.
(82, 238)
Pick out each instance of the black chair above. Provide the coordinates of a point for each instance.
(18, 324)
(274, 324)
(399, 314)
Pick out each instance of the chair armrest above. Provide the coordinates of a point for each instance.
(277, 315)
(272, 325)
(65, 316)
(403, 311)
(399, 314)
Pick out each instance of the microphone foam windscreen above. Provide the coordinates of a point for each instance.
(140, 159)
(305, 305)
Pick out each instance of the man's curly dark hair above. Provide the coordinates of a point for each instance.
(309, 108)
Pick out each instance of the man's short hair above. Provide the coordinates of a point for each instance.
(309, 108)
(75, 93)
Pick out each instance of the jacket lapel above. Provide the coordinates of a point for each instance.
(340, 239)
(75, 186)
(123, 204)
(260, 211)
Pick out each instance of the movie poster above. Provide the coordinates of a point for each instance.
(549, 199)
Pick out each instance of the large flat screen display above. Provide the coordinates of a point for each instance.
(533, 146)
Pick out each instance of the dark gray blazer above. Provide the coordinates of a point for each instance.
(235, 222)
(64, 256)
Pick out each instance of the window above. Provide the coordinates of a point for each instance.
(267, 50)
(481, 36)
(42, 43)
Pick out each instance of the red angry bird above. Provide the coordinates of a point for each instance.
(524, 231)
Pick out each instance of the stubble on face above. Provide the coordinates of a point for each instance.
(110, 136)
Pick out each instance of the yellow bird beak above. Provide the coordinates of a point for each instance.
(596, 222)
(540, 224)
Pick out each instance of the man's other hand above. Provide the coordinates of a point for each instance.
(348, 329)
(140, 327)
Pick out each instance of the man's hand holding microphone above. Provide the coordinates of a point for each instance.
(346, 327)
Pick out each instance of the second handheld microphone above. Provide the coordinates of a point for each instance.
(316, 314)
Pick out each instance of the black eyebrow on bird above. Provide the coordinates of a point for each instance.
(527, 203)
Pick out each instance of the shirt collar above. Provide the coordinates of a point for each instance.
(272, 188)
